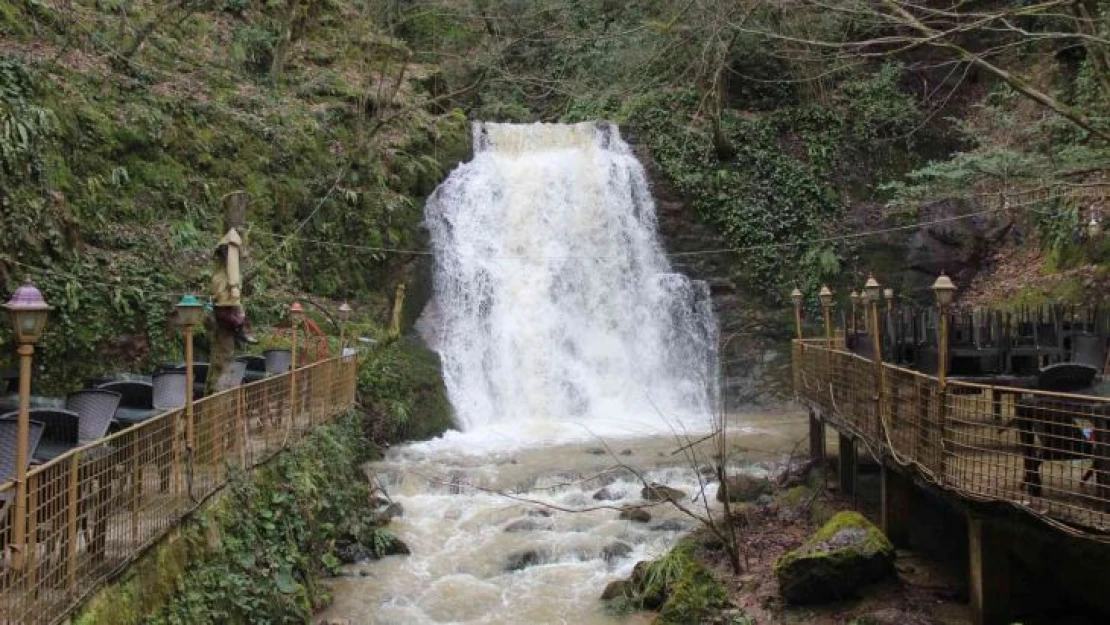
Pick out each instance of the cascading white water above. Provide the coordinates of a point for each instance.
(554, 302)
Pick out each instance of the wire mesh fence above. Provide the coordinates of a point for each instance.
(92, 511)
(1046, 452)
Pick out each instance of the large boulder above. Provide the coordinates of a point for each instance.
(636, 515)
(743, 488)
(847, 553)
(658, 492)
(523, 559)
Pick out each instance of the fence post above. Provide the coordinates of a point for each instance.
(33, 489)
(71, 524)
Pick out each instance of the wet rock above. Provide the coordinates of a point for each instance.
(544, 512)
(596, 451)
(626, 452)
(388, 513)
(765, 501)
(670, 525)
(378, 500)
(521, 560)
(615, 550)
(636, 515)
(527, 525)
(608, 494)
(743, 488)
(393, 547)
(707, 471)
(658, 492)
(618, 588)
(847, 553)
(652, 595)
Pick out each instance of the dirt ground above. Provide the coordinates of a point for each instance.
(923, 593)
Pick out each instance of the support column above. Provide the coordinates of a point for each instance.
(816, 438)
(989, 581)
(897, 492)
(848, 465)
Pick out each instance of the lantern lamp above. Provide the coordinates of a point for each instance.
(871, 289)
(190, 310)
(29, 311)
(944, 289)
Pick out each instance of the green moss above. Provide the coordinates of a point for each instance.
(847, 552)
(677, 584)
(402, 382)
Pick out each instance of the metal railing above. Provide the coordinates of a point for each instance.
(1047, 453)
(92, 511)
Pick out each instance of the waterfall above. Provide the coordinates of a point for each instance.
(554, 302)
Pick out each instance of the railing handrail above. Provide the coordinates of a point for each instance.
(954, 435)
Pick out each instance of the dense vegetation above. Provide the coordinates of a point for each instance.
(792, 124)
(123, 125)
(788, 125)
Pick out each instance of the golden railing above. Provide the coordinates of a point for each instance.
(1047, 453)
(92, 511)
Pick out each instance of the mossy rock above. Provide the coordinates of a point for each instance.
(845, 554)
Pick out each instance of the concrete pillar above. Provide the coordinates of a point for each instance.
(993, 601)
(848, 464)
(897, 492)
(816, 438)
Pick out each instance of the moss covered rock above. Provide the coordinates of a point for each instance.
(845, 554)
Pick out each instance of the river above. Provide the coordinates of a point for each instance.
(561, 327)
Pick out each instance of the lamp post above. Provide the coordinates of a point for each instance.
(28, 311)
(826, 297)
(190, 311)
(797, 296)
(344, 315)
(888, 295)
(945, 291)
(872, 292)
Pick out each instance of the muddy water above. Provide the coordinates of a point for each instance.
(458, 506)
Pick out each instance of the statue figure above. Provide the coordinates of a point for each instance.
(227, 288)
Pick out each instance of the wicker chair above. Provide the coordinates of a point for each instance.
(278, 360)
(9, 435)
(133, 393)
(97, 408)
(59, 432)
(168, 390)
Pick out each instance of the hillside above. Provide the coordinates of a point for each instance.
(124, 124)
(787, 128)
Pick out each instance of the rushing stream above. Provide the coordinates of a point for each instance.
(560, 325)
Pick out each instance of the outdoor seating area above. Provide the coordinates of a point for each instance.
(1006, 406)
(90, 479)
(115, 401)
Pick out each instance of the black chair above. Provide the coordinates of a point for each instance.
(61, 432)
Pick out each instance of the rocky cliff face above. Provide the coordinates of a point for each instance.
(754, 342)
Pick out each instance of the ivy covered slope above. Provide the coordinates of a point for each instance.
(123, 124)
